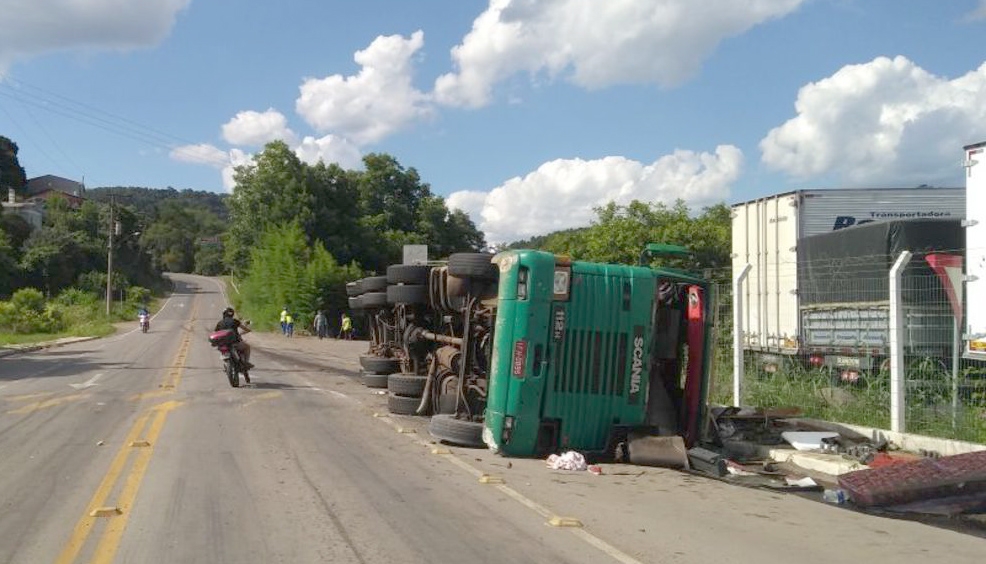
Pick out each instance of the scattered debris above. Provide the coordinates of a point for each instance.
(661, 451)
(100, 443)
(956, 481)
(571, 460)
(808, 440)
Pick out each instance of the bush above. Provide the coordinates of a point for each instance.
(28, 299)
(76, 296)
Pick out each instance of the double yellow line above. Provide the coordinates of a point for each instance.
(138, 446)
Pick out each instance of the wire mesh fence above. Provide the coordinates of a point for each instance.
(817, 336)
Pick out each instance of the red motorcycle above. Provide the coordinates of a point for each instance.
(233, 363)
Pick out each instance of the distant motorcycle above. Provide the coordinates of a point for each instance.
(233, 364)
(145, 322)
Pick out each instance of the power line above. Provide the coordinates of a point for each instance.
(95, 117)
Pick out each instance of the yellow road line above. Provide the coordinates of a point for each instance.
(47, 403)
(26, 397)
(113, 533)
(86, 523)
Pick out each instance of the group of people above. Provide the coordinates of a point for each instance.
(320, 325)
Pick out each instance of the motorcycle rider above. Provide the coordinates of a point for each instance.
(143, 316)
(229, 321)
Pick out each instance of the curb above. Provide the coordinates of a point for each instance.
(10, 351)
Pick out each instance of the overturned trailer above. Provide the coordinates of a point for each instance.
(529, 352)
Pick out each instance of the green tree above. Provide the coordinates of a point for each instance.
(8, 266)
(273, 189)
(11, 172)
(619, 233)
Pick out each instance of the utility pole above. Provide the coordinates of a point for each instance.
(109, 261)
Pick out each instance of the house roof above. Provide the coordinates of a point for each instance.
(47, 182)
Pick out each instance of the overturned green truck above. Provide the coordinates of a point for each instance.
(529, 353)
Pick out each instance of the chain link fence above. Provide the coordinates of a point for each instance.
(836, 362)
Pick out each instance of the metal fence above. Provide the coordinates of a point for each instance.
(876, 342)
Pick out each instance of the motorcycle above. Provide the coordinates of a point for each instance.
(233, 364)
(145, 323)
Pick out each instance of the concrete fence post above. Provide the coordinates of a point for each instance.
(898, 398)
(738, 283)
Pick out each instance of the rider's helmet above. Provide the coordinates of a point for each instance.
(228, 312)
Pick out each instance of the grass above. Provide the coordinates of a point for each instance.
(93, 329)
(928, 411)
(83, 321)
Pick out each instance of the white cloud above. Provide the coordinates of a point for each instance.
(887, 121)
(203, 153)
(596, 44)
(236, 158)
(41, 26)
(330, 149)
(372, 104)
(257, 128)
(560, 194)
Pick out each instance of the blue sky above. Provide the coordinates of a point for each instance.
(523, 113)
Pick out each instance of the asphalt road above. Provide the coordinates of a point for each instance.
(134, 448)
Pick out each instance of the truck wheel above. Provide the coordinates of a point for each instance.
(373, 380)
(446, 427)
(374, 284)
(408, 274)
(402, 405)
(379, 364)
(371, 300)
(352, 289)
(472, 265)
(355, 303)
(411, 294)
(410, 385)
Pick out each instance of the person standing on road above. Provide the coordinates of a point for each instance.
(321, 324)
(284, 321)
(346, 330)
(289, 321)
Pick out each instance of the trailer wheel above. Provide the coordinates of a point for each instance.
(371, 300)
(410, 385)
(402, 405)
(472, 265)
(378, 364)
(374, 284)
(374, 380)
(446, 427)
(408, 274)
(410, 294)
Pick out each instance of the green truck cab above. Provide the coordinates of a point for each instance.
(584, 352)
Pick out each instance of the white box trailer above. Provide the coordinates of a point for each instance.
(765, 235)
(975, 262)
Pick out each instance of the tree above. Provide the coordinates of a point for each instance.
(11, 172)
(8, 266)
(619, 233)
(272, 190)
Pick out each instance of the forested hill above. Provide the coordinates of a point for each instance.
(145, 201)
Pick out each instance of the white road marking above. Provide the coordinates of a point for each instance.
(88, 383)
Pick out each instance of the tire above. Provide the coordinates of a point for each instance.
(447, 428)
(402, 405)
(411, 294)
(472, 265)
(408, 274)
(352, 289)
(356, 303)
(373, 380)
(410, 385)
(231, 374)
(371, 300)
(374, 284)
(379, 364)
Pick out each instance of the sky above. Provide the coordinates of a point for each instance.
(526, 114)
